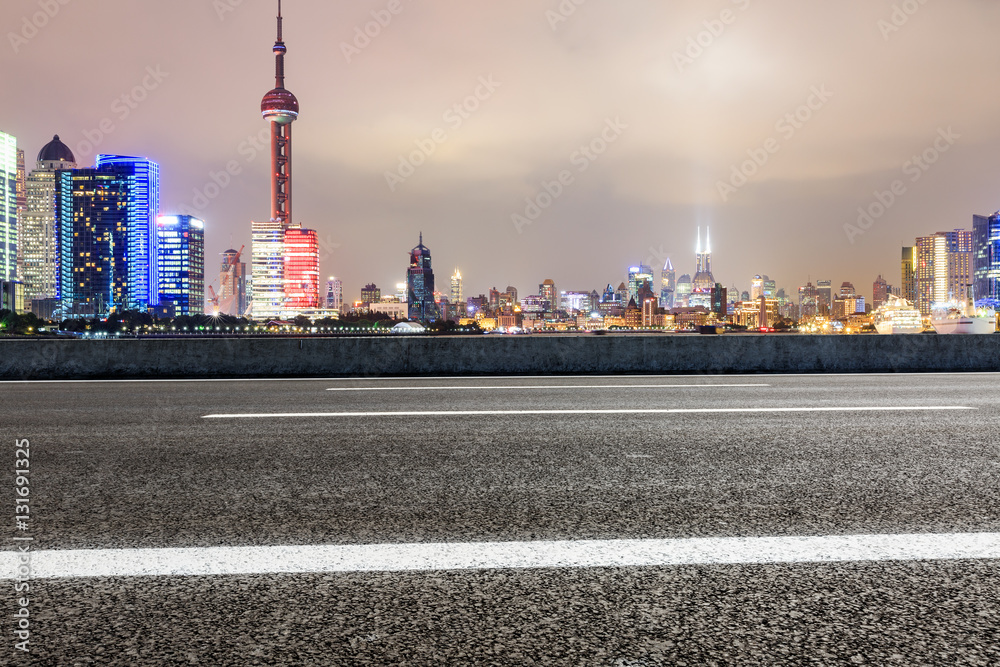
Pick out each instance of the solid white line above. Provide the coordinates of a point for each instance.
(637, 411)
(215, 561)
(554, 386)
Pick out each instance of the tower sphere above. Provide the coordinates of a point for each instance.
(279, 106)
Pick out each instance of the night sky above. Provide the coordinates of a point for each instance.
(830, 103)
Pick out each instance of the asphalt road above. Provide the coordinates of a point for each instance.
(128, 465)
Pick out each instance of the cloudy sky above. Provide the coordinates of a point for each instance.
(772, 122)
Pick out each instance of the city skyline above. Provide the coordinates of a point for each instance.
(678, 134)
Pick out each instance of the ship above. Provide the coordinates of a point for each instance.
(897, 316)
(963, 318)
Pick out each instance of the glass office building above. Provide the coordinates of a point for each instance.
(180, 247)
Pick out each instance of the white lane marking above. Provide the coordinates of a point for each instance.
(553, 386)
(481, 413)
(811, 376)
(216, 561)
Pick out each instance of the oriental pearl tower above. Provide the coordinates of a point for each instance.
(281, 109)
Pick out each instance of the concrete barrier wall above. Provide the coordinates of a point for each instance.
(537, 354)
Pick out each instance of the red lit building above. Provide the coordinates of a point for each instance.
(301, 269)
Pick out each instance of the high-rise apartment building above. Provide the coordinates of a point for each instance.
(420, 284)
(38, 224)
(961, 263)
(334, 294)
(825, 290)
(8, 208)
(143, 209)
(180, 250)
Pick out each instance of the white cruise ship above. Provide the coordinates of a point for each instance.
(897, 316)
(958, 319)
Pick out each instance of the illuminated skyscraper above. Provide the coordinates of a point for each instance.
(420, 284)
(638, 277)
(92, 218)
(21, 196)
(301, 270)
(704, 281)
(682, 297)
(808, 301)
(825, 290)
(932, 272)
(909, 275)
(547, 290)
(986, 260)
(334, 294)
(370, 293)
(267, 265)
(457, 295)
(8, 207)
(880, 291)
(142, 211)
(668, 285)
(38, 225)
(180, 249)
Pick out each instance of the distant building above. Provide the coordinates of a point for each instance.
(639, 277)
(420, 284)
(668, 285)
(8, 208)
(233, 284)
(267, 264)
(808, 301)
(457, 295)
(180, 246)
(825, 290)
(21, 199)
(334, 294)
(986, 260)
(371, 294)
(880, 291)
(547, 290)
(682, 297)
(104, 237)
(301, 270)
(909, 275)
(720, 300)
(143, 210)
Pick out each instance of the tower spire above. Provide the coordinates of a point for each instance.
(279, 53)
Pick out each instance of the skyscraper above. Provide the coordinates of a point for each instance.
(704, 281)
(668, 285)
(808, 301)
(638, 277)
(334, 294)
(8, 207)
(986, 258)
(547, 290)
(92, 217)
(180, 250)
(143, 210)
(825, 290)
(233, 282)
(932, 272)
(457, 295)
(20, 190)
(908, 264)
(301, 270)
(267, 265)
(370, 293)
(420, 284)
(38, 225)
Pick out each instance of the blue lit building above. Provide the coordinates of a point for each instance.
(8, 207)
(180, 247)
(105, 237)
(142, 210)
(986, 258)
(420, 284)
